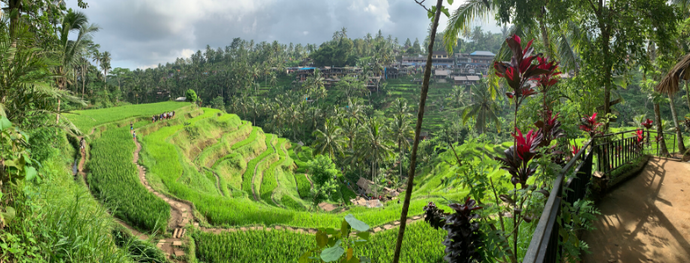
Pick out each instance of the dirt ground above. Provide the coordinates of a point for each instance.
(646, 219)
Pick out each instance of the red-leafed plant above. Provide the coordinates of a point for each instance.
(576, 149)
(647, 124)
(590, 125)
(464, 238)
(517, 158)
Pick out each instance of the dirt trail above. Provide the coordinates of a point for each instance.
(646, 218)
(180, 213)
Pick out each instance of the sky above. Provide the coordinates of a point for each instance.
(144, 33)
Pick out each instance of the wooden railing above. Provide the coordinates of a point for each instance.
(544, 246)
(611, 153)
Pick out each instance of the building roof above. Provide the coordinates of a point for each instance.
(441, 72)
(473, 78)
(460, 78)
(440, 53)
(482, 53)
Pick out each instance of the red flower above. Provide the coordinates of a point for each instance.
(647, 124)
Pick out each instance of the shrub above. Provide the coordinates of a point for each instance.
(191, 95)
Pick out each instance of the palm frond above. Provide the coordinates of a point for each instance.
(462, 17)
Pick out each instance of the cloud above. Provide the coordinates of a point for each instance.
(141, 33)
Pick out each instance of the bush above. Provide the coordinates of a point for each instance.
(191, 95)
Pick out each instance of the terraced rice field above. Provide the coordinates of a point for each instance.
(404, 88)
(233, 175)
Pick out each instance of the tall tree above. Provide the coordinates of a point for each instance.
(329, 140)
(69, 49)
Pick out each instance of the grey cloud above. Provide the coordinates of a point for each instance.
(142, 33)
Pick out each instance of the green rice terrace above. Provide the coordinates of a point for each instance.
(210, 178)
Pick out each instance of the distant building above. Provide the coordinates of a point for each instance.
(439, 59)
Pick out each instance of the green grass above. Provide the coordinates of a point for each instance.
(59, 220)
(303, 185)
(248, 140)
(87, 119)
(422, 243)
(114, 180)
(291, 203)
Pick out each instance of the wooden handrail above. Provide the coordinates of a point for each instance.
(542, 233)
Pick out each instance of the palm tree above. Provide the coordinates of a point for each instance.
(482, 108)
(458, 96)
(401, 130)
(374, 145)
(105, 64)
(350, 127)
(70, 49)
(329, 140)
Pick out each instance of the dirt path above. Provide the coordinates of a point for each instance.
(646, 218)
(180, 214)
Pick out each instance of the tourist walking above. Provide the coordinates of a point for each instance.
(131, 127)
(82, 143)
(134, 135)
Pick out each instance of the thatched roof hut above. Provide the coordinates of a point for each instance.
(669, 85)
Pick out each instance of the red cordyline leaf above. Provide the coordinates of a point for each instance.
(647, 124)
(576, 149)
(528, 92)
(592, 120)
(550, 120)
(524, 143)
(510, 73)
(517, 38)
(640, 135)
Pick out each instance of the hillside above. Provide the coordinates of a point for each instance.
(227, 173)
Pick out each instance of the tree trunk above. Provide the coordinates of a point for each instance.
(57, 116)
(679, 135)
(607, 78)
(544, 34)
(659, 128)
(687, 92)
(418, 128)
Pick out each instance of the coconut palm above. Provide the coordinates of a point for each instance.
(482, 108)
(329, 140)
(105, 65)
(349, 127)
(374, 145)
(400, 130)
(69, 50)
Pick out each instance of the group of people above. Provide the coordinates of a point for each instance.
(163, 116)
